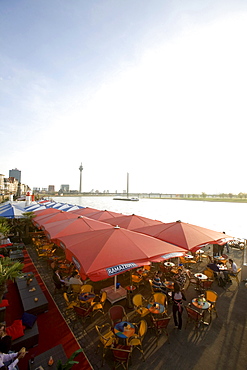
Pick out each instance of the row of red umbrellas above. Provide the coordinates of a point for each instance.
(104, 243)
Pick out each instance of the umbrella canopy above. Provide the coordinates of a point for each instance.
(34, 207)
(60, 216)
(77, 225)
(40, 215)
(131, 222)
(12, 211)
(71, 207)
(187, 236)
(104, 253)
(103, 215)
(50, 204)
(85, 211)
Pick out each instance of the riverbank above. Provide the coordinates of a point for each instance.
(212, 198)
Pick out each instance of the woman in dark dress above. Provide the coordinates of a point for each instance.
(177, 308)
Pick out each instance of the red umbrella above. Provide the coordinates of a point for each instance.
(85, 211)
(59, 216)
(103, 215)
(187, 236)
(40, 215)
(101, 254)
(57, 229)
(132, 222)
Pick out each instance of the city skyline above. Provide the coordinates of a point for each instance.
(155, 89)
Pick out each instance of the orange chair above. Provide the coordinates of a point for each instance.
(194, 316)
(117, 314)
(160, 325)
(121, 355)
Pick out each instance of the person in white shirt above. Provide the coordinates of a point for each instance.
(5, 358)
(75, 279)
(232, 271)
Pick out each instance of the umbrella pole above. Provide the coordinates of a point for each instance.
(131, 282)
(115, 283)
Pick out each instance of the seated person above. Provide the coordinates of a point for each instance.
(9, 361)
(5, 339)
(157, 284)
(75, 279)
(57, 278)
(232, 271)
(180, 278)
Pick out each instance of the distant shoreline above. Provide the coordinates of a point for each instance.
(155, 196)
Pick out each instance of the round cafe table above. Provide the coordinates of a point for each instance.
(200, 252)
(189, 257)
(156, 308)
(169, 264)
(169, 284)
(124, 329)
(86, 297)
(204, 306)
(199, 277)
(222, 267)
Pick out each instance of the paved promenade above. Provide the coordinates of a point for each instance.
(221, 345)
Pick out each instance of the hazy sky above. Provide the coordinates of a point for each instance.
(154, 88)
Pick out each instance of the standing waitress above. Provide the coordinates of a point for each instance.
(177, 308)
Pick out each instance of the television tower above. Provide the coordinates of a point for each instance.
(80, 168)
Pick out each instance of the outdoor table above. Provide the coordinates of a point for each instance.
(33, 301)
(57, 354)
(188, 256)
(222, 267)
(219, 258)
(86, 297)
(169, 284)
(156, 308)
(169, 264)
(199, 277)
(124, 329)
(200, 252)
(204, 306)
(16, 255)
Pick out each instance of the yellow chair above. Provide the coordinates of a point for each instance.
(70, 304)
(106, 338)
(139, 303)
(99, 306)
(76, 288)
(184, 261)
(236, 276)
(209, 273)
(136, 340)
(160, 298)
(212, 298)
(87, 288)
(136, 279)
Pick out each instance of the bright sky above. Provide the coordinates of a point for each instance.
(154, 88)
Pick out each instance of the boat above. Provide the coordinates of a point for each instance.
(132, 199)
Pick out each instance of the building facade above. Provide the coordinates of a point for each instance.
(16, 174)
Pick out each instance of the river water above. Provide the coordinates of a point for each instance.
(218, 216)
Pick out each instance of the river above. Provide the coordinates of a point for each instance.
(218, 216)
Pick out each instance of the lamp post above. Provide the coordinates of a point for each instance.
(80, 168)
